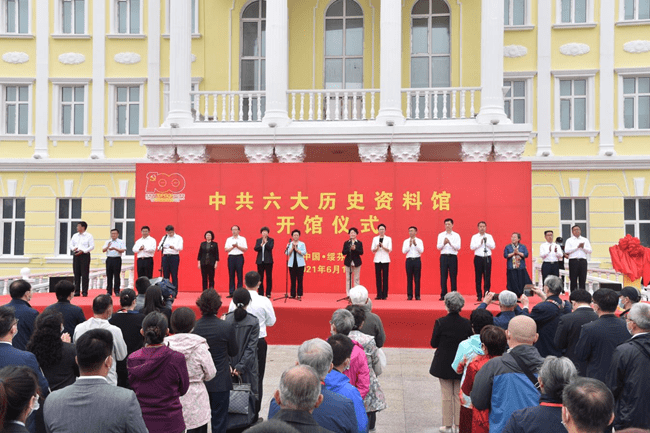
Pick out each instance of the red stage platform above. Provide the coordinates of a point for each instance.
(408, 324)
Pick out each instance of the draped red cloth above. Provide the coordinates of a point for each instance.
(631, 258)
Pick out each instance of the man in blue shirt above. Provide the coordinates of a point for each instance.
(21, 294)
(335, 413)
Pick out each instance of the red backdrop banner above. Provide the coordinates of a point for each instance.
(324, 200)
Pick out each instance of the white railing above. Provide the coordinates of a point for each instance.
(228, 106)
(595, 277)
(333, 104)
(437, 103)
(41, 282)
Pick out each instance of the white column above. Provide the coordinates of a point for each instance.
(99, 74)
(544, 95)
(180, 63)
(492, 63)
(42, 86)
(277, 63)
(153, 56)
(606, 124)
(390, 81)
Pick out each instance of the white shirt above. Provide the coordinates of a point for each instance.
(261, 308)
(117, 243)
(176, 241)
(149, 247)
(119, 346)
(454, 243)
(571, 248)
(82, 241)
(382, 255)
(476, 245)
(413, 251)
(240, 240)
(547, 248)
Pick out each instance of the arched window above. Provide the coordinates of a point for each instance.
(252, 68)
(430, 47)
(344, 45)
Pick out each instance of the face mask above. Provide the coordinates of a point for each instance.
(621, 304)
(36, 406)
(628, 328)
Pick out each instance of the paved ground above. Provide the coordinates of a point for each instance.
(413, 396)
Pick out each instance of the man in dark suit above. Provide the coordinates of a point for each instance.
(547, 315)
(21, 294)
(91, 405)
(72, 314)
(220, 336)
(298, 396)
(264, 261)
(599, 338)
(570, 325)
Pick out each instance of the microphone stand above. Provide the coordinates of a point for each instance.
(347, 296)
(486, 260)
(162, 246)
(286, 281)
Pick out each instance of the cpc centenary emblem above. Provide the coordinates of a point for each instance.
(164, 187)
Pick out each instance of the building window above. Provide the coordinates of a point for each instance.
(574, 11)
(344, 45)
(13, 226)
(515, 100)
(124, 221)
(430, 51)
(573, 105)
(73, 17)
(16, 16)
(636, 102)
(253, 56)
(573, 211)
(73, 109)
(127, 16)
(195, 16)
(69, 215)
(637, 10)
(515, 12)
(637, 219)
(16, 109)
(127, 106)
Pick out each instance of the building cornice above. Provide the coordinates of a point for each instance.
(70, 165)
(584, 163)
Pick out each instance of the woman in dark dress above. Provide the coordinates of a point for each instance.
(18, 397)
(448, 333)
(154, 301)
(208, 259)
(515, 254)
(130, 322)
(54, 352)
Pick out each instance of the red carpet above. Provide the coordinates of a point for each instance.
(407, 323)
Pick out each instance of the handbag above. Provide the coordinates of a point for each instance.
(239, 398)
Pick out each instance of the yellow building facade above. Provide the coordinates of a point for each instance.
(90, 88)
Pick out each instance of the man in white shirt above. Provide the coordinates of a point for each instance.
(260, 307)
(577, 247)
(235, 246)
(551, 254)
(81, 244)
(114, 247)
(413, 247)
(145, 248)
(448, 244)
(482, 244)
(102, 310)
(171, 245)
(382, 245)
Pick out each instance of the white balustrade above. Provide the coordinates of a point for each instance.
(333, 104)
(440, 103)
(240, 106)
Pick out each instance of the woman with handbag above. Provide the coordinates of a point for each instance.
(244, 366)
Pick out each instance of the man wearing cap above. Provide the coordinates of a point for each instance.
(627, 297)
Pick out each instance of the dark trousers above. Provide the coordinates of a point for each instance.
(482, 272)
(265, 268)
(81, 270)
(113, 277)
(578, 273)
(413, 273)
(262, 348)
(219, 408)
(372, 420)
(296, 273)
(170, 268)
(207, 276)
(145, 267)
(550, 268)
(235, 268)
(448, 267)
(381, 277)
(202, 429)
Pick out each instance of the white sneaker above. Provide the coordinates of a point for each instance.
(445, 429)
